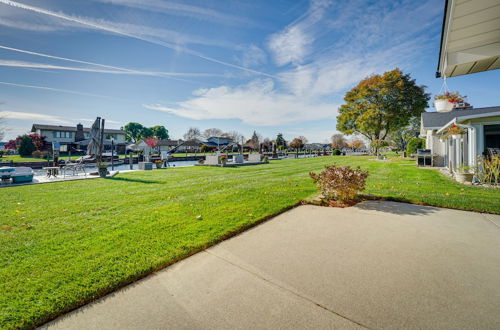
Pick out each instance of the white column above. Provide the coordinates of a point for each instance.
(480, 139)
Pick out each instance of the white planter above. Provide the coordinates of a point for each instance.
(464, 177)
(145, 166)
(443, 105)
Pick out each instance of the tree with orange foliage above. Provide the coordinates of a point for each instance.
(381, 104)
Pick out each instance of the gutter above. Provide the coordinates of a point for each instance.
(451, 122)
(442, 49)
(454, 122)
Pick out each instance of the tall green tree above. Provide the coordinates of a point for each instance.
(26, 147)
(146, 132)
(403, 135)
(380, 105)
(160, 132)
(134, 131)
(254, 141)
(280, 141)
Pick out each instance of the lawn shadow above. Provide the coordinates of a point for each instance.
(133, 180)
(400, 207)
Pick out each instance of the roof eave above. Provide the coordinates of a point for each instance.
(444, 36)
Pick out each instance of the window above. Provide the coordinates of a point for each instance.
(491, 137)
(63, 135)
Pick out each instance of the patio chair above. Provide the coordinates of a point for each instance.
(74, 167)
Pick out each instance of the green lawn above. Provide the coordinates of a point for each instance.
(18, 158)
(64, 244)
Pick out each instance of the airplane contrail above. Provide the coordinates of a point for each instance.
(22, 64)
(125, 70)
(121, 32)
(61, 90)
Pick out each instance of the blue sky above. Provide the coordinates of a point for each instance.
(270, 66)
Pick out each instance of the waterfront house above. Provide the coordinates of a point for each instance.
(77, 137)
(173, 146)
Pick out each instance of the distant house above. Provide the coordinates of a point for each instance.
(77, 137)
(218, 141)
(318, 146)
(173, 146)
(482, 132)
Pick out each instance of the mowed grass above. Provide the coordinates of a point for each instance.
(18, 158)
(64, 244)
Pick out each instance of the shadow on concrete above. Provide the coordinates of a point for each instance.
(393, 207)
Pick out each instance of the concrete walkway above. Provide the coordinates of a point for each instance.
(376, 265)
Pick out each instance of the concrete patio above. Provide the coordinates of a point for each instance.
(376, 265)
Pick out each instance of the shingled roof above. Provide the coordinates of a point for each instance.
(435, 120)
(72, 129)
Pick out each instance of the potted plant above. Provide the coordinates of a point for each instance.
(102, 169)
(158, 163)
(265, 159)
(223, 160)
(464, 174)
(447, 101)
(455, 130)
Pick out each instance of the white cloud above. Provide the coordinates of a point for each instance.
(290, 46)
(256, 104)
(32, 116)
(253, 56)
(294, 43)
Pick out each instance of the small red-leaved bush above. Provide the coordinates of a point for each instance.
(340, 182)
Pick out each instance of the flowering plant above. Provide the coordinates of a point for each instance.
(151, 142)
(455, 130)
(452, 97)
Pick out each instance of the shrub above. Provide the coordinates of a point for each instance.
(26, 147)
(336, 152)
(36, 154)
(487, 170)
(340, 182)
(413, 145)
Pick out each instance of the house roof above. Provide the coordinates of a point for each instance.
(71, 129)
(106, 142)
(435, 120)
(470, 41)
(168, 143)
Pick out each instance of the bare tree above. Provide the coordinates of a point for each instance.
(193, 133)
(209, 132)
(338, 141)
(267, 144)
(303, 139)
(297, 143)
(236, 136)
(356, 143)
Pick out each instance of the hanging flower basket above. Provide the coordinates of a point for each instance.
(449, 100)
(455, 130)
(443, 105)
